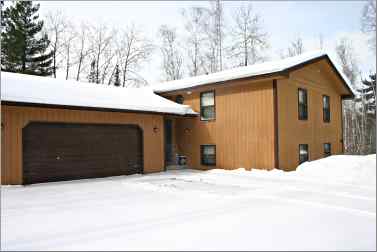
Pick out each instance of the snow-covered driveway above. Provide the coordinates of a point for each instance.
(190, 210)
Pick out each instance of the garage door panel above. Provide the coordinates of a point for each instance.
(56, 151)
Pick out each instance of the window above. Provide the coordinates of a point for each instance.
(179, 99)
(326, 108)
(327, 149)
(207, 106)
(208, 154)
(303, 153)
(302, 104)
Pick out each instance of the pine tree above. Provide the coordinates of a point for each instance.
(92, 73)
(367, 114)
(368, 93)
(24, 48)
(116, 76)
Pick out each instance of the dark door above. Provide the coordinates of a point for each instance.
(62, 151)
(169, 159)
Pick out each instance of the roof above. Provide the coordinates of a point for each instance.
(266, 68)
(29, 89)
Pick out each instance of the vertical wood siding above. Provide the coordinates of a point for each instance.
(243, 131)
(318, 81)
(15, 118)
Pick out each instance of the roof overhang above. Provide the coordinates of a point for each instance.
(84, 108)
(272, 75)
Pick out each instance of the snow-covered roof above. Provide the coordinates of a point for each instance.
(45, 90)
(269, 67)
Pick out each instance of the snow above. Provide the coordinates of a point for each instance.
(329, 204)
(243, 72)
(45, 90)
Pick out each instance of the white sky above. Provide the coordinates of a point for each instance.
(283, 21)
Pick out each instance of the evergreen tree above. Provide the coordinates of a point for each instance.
(368, 93)
(24, 49)
(116, 76)
(367, 114)
(92, 73)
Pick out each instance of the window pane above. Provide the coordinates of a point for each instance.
(208, 99)
(208, 154)
(209, 150)
(208, 112)
(327, 149)
(325, 101)
(303, 153)
(302, 96)
(326, 108)
(302, 104)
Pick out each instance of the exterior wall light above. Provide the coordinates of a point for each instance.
(155, 129)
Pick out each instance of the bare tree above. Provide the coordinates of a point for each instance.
(81, 48)
(249, 39)
(55, 27)
(172, 58)
(368, 21)
(296, 48)
(101, 39)
(321, 41)
(354, 126)
(196, 19)
(133, 49)
(215, 31)
(345, 53)
(69, 36)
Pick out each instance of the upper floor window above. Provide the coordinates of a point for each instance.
(326, 108)
(327, 149)
(179, 99)
(207, 106)
(302, 104)
(303, 153)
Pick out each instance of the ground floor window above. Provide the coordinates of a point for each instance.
(208, 154)
(303, 153)
(327, 149)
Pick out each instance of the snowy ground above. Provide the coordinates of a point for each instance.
(328, 204)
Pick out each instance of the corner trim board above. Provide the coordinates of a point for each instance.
(276, 123)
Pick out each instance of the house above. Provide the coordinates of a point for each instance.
(271, 115)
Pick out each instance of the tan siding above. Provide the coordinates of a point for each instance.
(15, 118)
(243, 131)
(318, 81)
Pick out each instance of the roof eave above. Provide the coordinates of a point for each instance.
(100, 109)
(277, 74)
(282, 73)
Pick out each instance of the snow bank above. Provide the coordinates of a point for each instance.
(243, 72)
(45, 90)
(343, 168)
(350, 169)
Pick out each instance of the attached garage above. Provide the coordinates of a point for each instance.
(67, 151)
(55, 130)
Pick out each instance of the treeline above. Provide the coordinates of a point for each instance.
(102, 54)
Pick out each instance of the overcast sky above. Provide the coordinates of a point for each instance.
(283, 21)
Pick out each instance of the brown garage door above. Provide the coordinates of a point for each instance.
(64, 151)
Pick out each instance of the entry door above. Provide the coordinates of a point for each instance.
(65, 151)
(169, 159)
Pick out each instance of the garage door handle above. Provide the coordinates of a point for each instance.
(57, 157)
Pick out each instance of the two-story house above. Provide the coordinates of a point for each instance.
(271, 115)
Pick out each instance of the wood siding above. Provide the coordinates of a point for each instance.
(243, 130)
(15, 118)
(318, 80)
